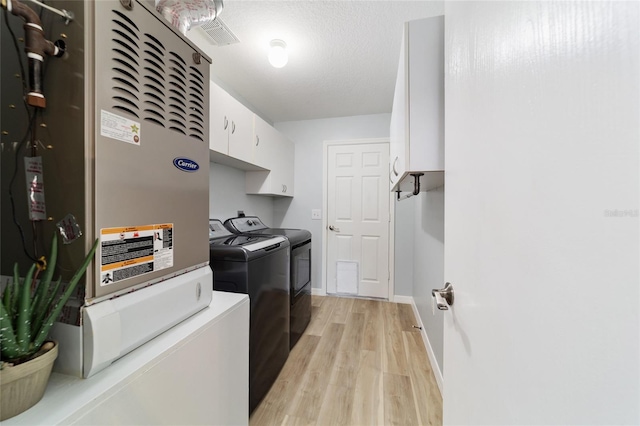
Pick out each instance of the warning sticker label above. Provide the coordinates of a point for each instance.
(121, 128)
(133, 251)
(35, 188)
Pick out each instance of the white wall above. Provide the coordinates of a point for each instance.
(308, 136)
(419, 228)
(227, 196)
(404, 246)
(428, 265)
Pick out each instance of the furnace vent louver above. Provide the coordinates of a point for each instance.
(154, 80)
(154, 84)
(196, 104)
(126, 57)
(177, 94)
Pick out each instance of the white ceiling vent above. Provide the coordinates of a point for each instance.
(219, 33)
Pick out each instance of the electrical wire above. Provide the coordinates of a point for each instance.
(30, 131)
(34, 147)
(12, 181)
(30, 135)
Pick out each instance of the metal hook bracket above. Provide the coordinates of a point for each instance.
(416, 187)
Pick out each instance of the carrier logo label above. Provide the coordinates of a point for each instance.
(185, 164)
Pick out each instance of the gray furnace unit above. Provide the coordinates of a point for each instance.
(124, 146)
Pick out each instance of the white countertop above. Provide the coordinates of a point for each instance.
(67, 397)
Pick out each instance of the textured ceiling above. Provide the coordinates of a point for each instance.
(343, 55)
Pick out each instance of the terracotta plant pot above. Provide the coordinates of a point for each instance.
(22, 385)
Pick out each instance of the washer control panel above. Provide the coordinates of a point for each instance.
(246, 224)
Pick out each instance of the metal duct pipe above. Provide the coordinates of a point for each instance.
(185, 14)
(36, 46)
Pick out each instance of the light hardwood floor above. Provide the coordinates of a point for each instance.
(360, 362)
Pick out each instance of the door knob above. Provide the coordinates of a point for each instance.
(443, 296)
(333, 228)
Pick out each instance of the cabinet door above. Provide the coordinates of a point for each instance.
(278, 181)
(263, 143)
(240, 131)
(283, 179)
(218, 119)
(399, 118)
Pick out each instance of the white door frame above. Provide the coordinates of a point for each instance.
(325, 175)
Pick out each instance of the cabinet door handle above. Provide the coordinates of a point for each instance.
(226, 122)
(233, 127)
(395, 163)
(257, 140)
(285, 188)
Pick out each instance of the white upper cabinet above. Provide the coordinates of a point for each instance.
(417, 118)
(240, 131)
(264, 136)
(218, 119)
(273, 151)
(241, 139)
(283, 168)
(231, 129)
(399, 120)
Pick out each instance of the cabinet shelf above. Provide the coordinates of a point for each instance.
(430, 180)
(224, 159)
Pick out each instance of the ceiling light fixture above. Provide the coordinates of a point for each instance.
(278, 56)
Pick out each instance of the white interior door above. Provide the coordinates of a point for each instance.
(358, 219)
(541, 213)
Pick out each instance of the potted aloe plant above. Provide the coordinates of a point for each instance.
(27, 312)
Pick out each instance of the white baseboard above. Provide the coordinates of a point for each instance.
(318, 291)
(405, 300)
(437, 372)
